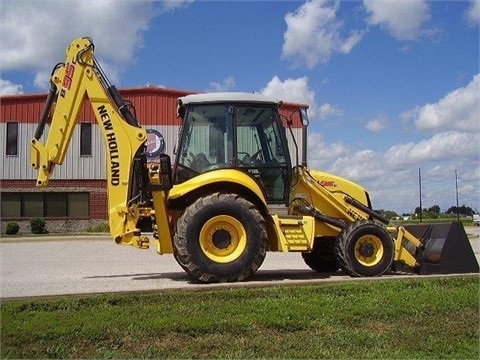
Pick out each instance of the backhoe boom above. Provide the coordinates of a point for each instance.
(79, 78)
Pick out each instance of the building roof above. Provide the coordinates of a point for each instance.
(154, 105)
(228, 97)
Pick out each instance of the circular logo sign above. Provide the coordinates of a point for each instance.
(155, 143)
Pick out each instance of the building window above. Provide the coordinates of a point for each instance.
(11, 205)
(50, 204)
(77, 205)
(86, 139)
(55, 204)
(32, 205)
(11, 142)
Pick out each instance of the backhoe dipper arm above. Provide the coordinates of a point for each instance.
(71, 83)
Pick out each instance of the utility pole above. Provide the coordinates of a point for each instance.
(420, 188)
(456, 192)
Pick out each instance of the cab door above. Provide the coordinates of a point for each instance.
(261, 149)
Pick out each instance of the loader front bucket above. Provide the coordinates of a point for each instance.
(445, 249)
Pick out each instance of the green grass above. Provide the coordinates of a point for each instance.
(402, 318)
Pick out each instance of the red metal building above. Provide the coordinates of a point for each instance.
(76, 196)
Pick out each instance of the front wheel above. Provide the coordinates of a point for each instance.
(365, 249)
(220, 238)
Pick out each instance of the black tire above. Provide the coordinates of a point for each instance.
(220, 238)
(365, 249)
(322, 258)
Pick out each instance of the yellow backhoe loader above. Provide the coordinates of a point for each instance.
(213, 208)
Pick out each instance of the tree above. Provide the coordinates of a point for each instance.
(434, 209)
(388, 213)
(464, 210)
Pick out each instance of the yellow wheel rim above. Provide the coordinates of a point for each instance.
(223, 239)
(369, 250)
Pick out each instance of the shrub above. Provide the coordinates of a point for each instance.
(12, 228)
(99, 228)
(38, 226)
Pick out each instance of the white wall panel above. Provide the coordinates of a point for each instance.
(84, 167)
(76, 166)
(18, 166)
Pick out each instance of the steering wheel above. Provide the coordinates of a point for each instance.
(254, 156)
(246, 159)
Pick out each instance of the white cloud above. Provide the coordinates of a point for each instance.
(391, 178)
(473, 13)
(31, 46)
(9, 88)
(362, 165)
(172, 5)
(313, 34)
(458, 110)
(320, 153)
(404, 20)
(42, 80)
(292, 90)
(378, 124)
(35, 33)
(327, 110)
(228, 84)
(448, 145)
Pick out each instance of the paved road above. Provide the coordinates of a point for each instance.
(94, 264)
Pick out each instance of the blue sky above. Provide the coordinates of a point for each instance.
(393, 86)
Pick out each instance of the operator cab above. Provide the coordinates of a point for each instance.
(234, 131)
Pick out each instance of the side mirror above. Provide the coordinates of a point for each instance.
(304, 116)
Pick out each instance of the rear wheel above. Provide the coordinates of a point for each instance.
(365, 249)
(220, 238)
(322, 258)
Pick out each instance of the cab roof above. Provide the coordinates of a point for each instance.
(220, 97)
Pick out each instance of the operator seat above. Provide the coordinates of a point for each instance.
(200, 162)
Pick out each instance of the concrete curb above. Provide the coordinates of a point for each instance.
(59, 237)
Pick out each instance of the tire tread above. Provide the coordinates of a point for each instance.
(185, 259)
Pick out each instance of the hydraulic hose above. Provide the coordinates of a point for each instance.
(122, 106)
(319, 216)
(372, 213)
(52, 92)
